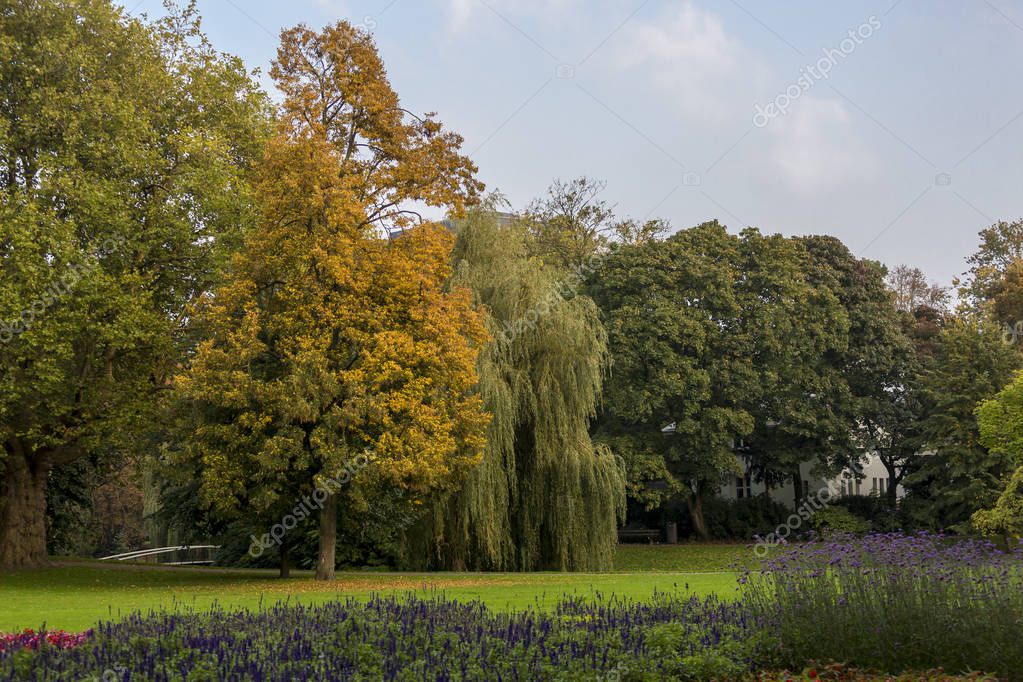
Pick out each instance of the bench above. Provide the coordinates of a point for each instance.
(650, 535)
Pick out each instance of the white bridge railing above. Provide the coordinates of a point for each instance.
(147, 553)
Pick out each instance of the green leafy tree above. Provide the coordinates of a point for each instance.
(959, 475)
(673, 405)
(570, 224)
(544, 497)
(1007, 304)
(711, 338)
(913, 290)
(894, 428)
(802, 410)
(1000, 421)
(124, 156)
(1001, 245)
(874, 398)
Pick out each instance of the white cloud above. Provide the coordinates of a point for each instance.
(812, 147)
(460, 12)
(333, 7)
(690, 57)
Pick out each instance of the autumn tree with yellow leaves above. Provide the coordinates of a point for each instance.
(335, 333)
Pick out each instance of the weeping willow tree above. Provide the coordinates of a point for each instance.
(544, 496)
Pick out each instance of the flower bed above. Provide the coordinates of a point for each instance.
(30, 639)
(895, 602)
(389, 638)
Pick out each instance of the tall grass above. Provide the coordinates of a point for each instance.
(895, 602)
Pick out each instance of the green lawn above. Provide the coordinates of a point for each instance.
(77, 596)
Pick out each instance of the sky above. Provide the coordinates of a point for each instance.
(895, 125)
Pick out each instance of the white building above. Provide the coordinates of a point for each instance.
(872, 480)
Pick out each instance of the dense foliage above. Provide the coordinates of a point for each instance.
(717, 338)
(544, 497)
(124, 157)
(1000, 421)
(330, 339)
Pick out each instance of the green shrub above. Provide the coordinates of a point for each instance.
(838, 520)
(874, 510)
(739, 519)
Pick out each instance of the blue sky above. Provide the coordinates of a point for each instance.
(910, 143)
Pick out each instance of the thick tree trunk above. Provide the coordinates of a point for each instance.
(695, 504)
(797, 488)
(23, 513)
(328, 538)
(893, 490)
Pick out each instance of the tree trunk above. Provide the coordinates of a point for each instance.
(695, 504)
(893, 489)
(285, 568)
(328, 538)
(23, 513)
(797, 488)
(893, 482)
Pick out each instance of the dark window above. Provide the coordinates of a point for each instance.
(743, 487)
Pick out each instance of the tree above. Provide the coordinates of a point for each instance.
(912, 290)
(671, 405)
(802, 408)
(894, 429)
(711, 337)
(1001, 245)
(1007, 304)
(329, 341)
(570, 224)
(960, 475)
(1000, 422)
(877, 405)
(544, 497)
(631, 231)
(124, 155)
(1005, 518)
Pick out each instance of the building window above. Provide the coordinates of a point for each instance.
(743, 487)
(873, 488)
(858, 482)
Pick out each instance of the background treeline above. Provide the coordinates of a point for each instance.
(212, 305)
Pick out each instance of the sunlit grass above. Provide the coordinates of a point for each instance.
(75, 597)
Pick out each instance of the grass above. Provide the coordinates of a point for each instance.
(688, 557)
(77, 596)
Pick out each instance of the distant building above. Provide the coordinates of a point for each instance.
(872, 480)
(503, 218)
